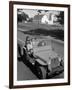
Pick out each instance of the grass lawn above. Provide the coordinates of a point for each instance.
(34, 26)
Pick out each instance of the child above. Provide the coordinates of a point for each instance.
(29, 46)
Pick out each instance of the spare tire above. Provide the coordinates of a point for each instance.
(62, 63)
(19, 50)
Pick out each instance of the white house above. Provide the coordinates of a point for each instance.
(48, 18)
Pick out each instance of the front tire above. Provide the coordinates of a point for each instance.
(41, 72)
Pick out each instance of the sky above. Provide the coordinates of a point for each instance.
(32, 12)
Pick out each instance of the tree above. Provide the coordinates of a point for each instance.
(46, 10)
(24, 16)
(30, 20)
(21, 15)
(60, 17)
(39, 11)
(19, 18)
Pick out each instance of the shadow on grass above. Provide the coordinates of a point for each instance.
(58, 34)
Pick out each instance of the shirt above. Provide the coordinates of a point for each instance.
(29, 46)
